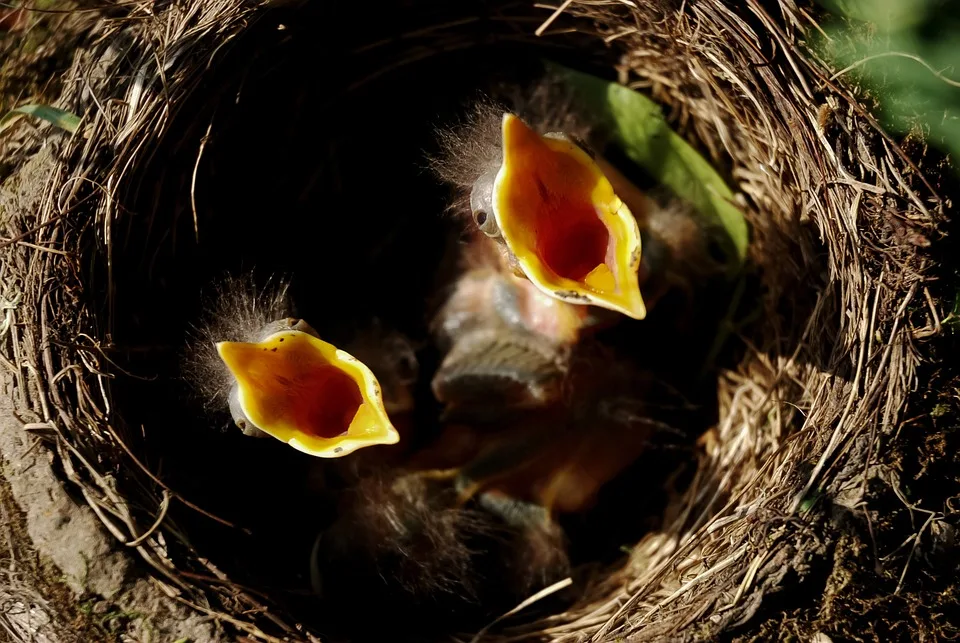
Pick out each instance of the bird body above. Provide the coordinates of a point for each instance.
(558, 455)
(403, 542)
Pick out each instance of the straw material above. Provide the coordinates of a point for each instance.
(835, 206)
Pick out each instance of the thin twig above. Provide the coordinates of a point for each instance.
(897, 54)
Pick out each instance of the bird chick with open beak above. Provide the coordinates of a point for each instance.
(279, 379)
(562, 215)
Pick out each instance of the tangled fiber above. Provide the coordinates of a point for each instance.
(208, 126)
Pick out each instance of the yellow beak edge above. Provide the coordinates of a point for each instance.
(303, 391)
(558, 214)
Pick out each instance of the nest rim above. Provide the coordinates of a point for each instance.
(831, 370)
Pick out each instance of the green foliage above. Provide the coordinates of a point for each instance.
(645, 137)
(53, 115)
(907, 53)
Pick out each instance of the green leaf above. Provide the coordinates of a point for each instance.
(905, 54)
(810, 501)
(645, 137)
(53, 115)
(889, 15)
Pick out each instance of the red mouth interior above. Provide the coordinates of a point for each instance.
(325, 402)
(571, 240)
(309, 394)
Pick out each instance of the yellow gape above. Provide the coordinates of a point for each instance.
(309, 394)
(558, 214)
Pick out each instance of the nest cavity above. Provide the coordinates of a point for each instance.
(218, 131)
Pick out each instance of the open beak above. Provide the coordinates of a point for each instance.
(571, 234)
(309, 394)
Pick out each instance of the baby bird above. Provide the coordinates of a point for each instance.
(405, 536)
(279, 379)
(555, 459)
(537, 418)
(402, 541)
(563, 216)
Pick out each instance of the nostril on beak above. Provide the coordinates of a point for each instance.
(249, 430)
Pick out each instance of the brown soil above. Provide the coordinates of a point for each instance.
(34, 53)
(35, 600)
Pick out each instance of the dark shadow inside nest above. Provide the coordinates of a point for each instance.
(331, 188)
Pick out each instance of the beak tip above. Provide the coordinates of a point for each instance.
(632, 306)
(393, 438)
(638, 311)
(390, 435)
(230, 355)
(516, 134)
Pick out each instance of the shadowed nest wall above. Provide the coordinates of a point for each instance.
(833, 203)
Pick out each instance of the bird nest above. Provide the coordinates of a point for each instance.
(211, 127)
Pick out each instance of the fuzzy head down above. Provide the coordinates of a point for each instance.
(237, 310)
(401, 541)
(473, 147)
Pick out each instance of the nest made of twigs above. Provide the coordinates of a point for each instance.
(831, 200)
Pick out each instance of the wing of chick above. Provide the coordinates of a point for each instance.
(506, 344)
(489, 369)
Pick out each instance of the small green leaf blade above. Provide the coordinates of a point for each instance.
(55, 116)
(647, 139)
